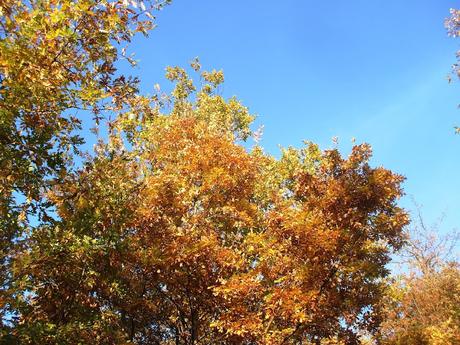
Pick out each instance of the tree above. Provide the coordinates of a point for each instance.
(423, 304)
(425, 309)
(57, 59)
(452, 24)
(174, 233)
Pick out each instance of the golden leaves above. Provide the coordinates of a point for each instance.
(182, 234)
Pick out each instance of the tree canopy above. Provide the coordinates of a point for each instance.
(177, 230)
(57, 58)
(173, 232)
(423, 305)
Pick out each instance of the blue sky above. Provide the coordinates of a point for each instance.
(373, 70)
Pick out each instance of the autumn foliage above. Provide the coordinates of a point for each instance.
(57, 68)
(188, 237)
(422, 306)
(175, 231)
(425, 310)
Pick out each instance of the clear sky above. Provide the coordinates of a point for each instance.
(374, 70)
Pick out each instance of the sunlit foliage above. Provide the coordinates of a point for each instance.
(423, 305)
(57, 62)
(175, 231)
(452, 24)
(188, 237)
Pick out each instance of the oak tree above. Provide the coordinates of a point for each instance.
(422, 305)
(57, 68)
(176, 233)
